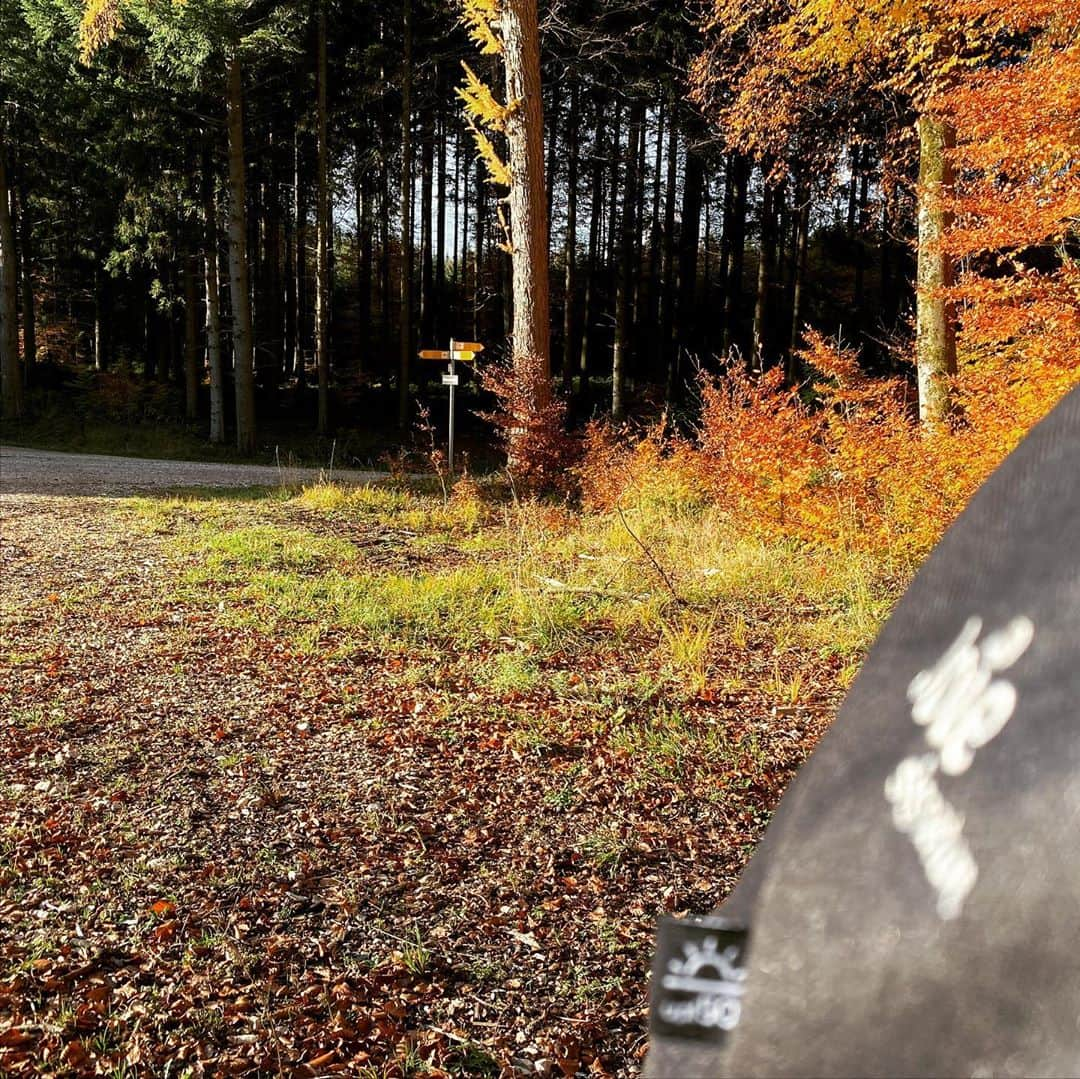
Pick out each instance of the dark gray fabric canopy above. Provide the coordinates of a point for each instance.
(915, 907)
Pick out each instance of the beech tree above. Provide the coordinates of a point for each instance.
(509, 28)
(10, 372)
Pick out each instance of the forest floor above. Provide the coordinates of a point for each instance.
(365, 782)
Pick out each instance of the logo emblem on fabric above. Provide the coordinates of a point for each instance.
(698, 978)
(962, 704)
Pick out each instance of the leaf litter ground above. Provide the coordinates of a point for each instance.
(224, 852)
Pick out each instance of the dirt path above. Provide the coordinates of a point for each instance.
(28, 471)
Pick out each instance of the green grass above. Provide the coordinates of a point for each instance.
(404, 569)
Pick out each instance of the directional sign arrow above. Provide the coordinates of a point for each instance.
(463, 356)
(467, 346)
(434, 354)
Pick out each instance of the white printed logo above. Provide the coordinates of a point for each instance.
(717, 999)
(962, 705)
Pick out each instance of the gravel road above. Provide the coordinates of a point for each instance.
(47, 472)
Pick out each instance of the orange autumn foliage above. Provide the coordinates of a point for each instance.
(1016, 234)
(840, 462)
(841, 465)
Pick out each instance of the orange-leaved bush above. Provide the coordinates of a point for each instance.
(840, 462)
(531, 424)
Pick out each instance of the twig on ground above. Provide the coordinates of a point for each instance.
(652, 559)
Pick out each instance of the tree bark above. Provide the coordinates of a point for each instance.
(652, 271)
(935, 337)
(863, 222)
(438, 301)
(667, 254)
(191, 338)
(616, 169)
(101, 298)
(294, 332)
(528, 201)
(479, 215)
(802, 235)
(570, 244)
(592, 269)
(686, 330)
(243, 353)
(427, 269)
(733, 286)
(273, 335)
(551, 141)
(322, 232)
(626, 263)
(405, 284)
(456, 261)
(213, 304)
(11, 384)
(26, 265)
(364, 253)
(766, 271)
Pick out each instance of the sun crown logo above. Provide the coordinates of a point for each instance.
(689, 974)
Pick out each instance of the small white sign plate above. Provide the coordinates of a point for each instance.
(450, 380)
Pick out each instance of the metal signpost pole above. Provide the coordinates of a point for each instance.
(453, 387)
(458, 350)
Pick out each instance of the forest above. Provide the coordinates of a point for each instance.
(249, 217)
(324, 754)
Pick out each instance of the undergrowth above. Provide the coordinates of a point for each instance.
(386, 567)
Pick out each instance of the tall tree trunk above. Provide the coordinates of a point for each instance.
(570, 243)
(150, 331)
(667, 255)
(293, 265)
(616, 169)
(727, 212)
(272, 334)
(686, 330)
(859, 312)
(454, 252)
(551, 141)
(288, 291)
(652, 311)
(175, 324)
(935, 339)
(26, 264)
(11, 383)
(853, 188)
(641, 190)
(427, 269)
(406, 287)
(463, 265)
(592, 270)
(479, 213)
(766, 272)
(213, 304)
(888, 301)
(438, 319)
(101, 300)
(802, 236)
(243, 353)
(385, 276)
(705, 283)
(626, 262)
(364, 253)
(528, 206)
(191, 338)
(322, 226)
(733, 286)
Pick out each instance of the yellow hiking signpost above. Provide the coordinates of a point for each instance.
(458, 352)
